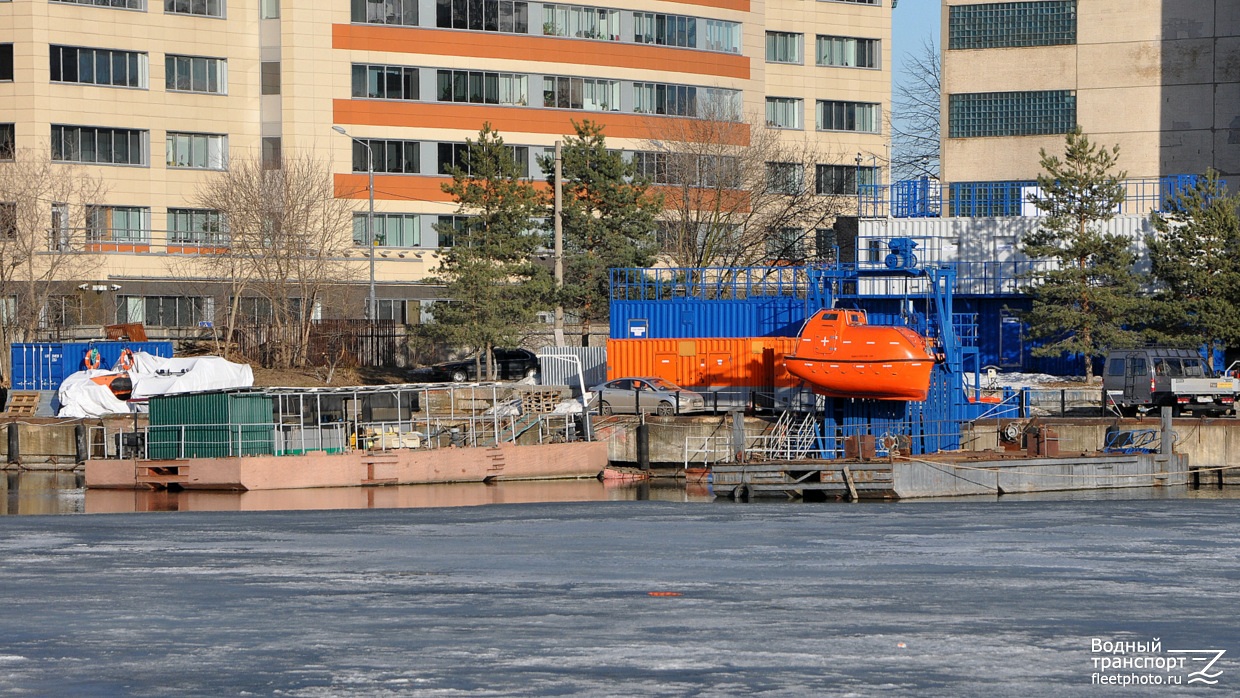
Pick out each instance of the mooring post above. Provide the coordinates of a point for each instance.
(738, 436)
(79, 442)
(643, 445)
(15, 455)
(1168, 435)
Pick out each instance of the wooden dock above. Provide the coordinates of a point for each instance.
(946, 475)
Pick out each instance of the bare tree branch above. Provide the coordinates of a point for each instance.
(287, 235)
(736, 193)
(914, 118)
(43, 238)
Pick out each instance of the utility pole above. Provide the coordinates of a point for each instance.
(559, 245)
(372, 305)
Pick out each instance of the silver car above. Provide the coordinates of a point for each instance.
(625, 395)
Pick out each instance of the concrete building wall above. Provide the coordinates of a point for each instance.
(1159, 78)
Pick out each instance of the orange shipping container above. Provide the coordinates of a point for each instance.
(735, 362)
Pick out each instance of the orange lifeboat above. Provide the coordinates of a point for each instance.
(841, 356)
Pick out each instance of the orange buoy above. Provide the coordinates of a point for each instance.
(664, 593)
(92, 359)
(125, 363)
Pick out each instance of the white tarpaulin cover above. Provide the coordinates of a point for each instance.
(82, 397)
(151, 375)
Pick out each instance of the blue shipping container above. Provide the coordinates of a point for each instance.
(779, 316)
(45, 365)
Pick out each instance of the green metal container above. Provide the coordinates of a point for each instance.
(210, 425)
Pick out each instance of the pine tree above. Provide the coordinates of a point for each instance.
(488, 271)
(608, 220)
(1086, 301)
(1194, 258)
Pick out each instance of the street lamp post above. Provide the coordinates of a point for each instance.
(372, 308)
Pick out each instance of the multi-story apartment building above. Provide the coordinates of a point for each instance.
(154, 98)
(1160, 78)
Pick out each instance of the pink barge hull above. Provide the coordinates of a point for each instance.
(356, 469)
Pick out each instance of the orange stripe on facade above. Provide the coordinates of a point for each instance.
(450, 42)
(392, 187)
(429, 188)
(741, 5)
(511, 120)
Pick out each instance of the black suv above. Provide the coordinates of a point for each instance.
(513, 364)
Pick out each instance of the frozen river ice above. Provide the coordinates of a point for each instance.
(983, 598)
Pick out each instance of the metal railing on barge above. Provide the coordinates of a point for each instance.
(337, 420)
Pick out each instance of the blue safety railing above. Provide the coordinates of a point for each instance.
(924, 198)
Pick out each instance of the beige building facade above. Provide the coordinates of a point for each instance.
(155, 97)
(1159, 78)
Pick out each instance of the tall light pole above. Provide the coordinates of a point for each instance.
(372, 307)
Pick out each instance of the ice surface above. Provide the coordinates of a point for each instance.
(988, 598)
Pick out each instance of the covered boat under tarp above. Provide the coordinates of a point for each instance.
(840, 355)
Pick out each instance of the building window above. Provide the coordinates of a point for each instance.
(270, 77)
(785, 177)
(98, 66)
(126, 224)
(197, 151)
(842, 179)
(784, 112)
(784, 47)
(8, 142)
(104, 146)
(664, 30)
(452, 229)
(848, 116)
(715, 171)
(391, 230)
(61, 311)
(982, 114)
(269, 9)
(719, 104)
(196, 226)
(391, 156)
(6, 62)
(581, 22)
(847, 52)
(271, 157)
(201, 8)
(401, 12)
(385, 82)
(164, 311)
(456, 155)
(120, 4)
(483, 15)
(786, 244)
(196, 74)
(8, 219)
(826, 244)
(483, 88)
(391, 309)
(1012, 24)
(723, 36)
(581, 93)
(673, 100)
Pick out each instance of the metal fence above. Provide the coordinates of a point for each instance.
(924, 198)
(346, 343)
